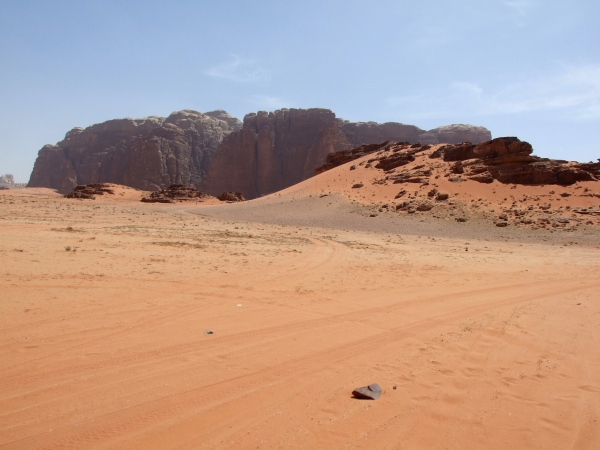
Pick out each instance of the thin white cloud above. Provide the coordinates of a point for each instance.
(575, 90)
(269, 103)
(520, 10)
(238, 70)
(520, 6)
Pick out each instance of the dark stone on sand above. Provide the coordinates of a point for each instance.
(232, 197)
(89, 191)
(174, 192)
(370, 392)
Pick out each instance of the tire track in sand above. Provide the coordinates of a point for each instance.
(321, 252)
(200, 345)
(110, 426)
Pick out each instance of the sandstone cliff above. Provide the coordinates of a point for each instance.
(273, 151)
(148, 154)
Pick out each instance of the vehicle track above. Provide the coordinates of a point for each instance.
(111, 426)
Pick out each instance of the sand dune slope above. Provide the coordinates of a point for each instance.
(479, 337)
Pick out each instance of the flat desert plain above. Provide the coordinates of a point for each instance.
(480, 337)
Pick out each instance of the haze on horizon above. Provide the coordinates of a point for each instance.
(526, 68)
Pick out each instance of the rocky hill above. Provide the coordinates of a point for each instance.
(497, 181)
(275, 150)
(216, 152)
(147, 154)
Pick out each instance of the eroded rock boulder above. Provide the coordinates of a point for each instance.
(458, 152)
(89, 191)
(232, 197)
(176, 192)
(336, 159)
(509, 160)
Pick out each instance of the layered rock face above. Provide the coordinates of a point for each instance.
(148, 154)
(273, 151)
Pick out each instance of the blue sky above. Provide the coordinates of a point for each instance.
(526, 68)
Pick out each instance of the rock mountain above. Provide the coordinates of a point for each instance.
(216, 152)
(147, 154)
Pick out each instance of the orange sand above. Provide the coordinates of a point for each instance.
(489, 336)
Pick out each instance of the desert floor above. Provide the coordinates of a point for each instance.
(480, 337)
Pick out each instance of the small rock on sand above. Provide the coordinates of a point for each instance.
(370, 392)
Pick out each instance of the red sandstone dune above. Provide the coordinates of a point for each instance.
(479, 336)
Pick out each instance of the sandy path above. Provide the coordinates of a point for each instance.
(104, 347)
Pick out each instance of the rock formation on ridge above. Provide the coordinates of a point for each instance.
(147, 154)
(215, 152)
(454, 134)
(497, 181)
(505, 159)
